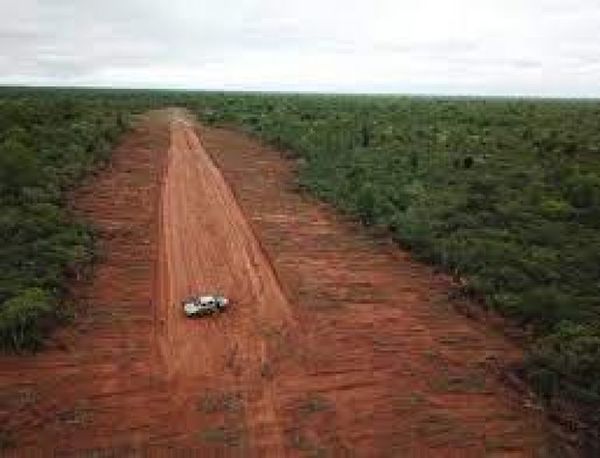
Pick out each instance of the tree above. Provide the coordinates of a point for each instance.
(18, 167)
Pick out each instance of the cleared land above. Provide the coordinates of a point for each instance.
(337, 343)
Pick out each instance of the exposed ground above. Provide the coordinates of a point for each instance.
(337, 343)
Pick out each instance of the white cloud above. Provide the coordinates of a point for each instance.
(534, 47)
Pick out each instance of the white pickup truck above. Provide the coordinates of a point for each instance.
(204, 305)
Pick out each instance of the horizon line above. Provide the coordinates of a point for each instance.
(297, 92)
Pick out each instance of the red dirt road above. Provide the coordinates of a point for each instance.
(209, 247)
(337, 343)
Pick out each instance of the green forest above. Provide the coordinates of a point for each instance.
(503, 194)
(48, 142)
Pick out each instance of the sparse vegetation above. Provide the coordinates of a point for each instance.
(441, 429)
(213, 402)
(312, 404)
(301, 442)
(266, 370)
(473, 382)
(223, 435)
(78, 415)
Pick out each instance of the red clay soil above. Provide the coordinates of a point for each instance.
(337, 343)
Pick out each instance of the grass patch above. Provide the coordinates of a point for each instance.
(79, 415)
(441, 430)
(464, 383)
(312, 404)
(214, 402)
(266, 370)
(223, 435)
(301, 442)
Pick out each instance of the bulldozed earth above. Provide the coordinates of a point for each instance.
(337, 343)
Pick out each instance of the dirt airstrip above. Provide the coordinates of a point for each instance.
(337, 343)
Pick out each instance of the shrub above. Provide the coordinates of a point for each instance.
(22, 318)
(567, 362)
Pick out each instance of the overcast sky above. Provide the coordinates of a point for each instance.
(498, 47)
